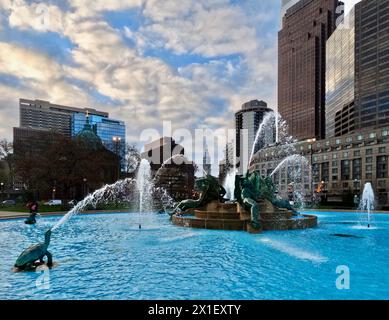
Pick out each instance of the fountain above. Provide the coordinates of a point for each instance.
(145, 186)
(168, 161)
(273, 123)
(229, 185)
(367, 202)
(257, 207)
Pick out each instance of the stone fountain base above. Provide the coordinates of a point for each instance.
(232, 216)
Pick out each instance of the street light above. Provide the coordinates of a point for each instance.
(2, 187)
(85, 180)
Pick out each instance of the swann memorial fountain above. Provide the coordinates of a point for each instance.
(256, 209)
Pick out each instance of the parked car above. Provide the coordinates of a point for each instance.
(53, 203)
(9, 202)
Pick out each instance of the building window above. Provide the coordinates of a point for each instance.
(369, 168)
(381, 184)
(369, 176)
(325, 171)
(316, 172)
(382, 150)
(345, 170)
(335, 156)
(385, 133)
(338, 141)
(369, 160)
(357, 169)
(369, 152)
(345, 155)
(334, 163)
(360, 137)
(357, 153)
(372, 135)
(349, 140)
(382, 167)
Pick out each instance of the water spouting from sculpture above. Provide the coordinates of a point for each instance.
(229, 185)
(273, 130)
(103, 195)
(140, 190)
(169, 161)
(367, 202)
(292, 160)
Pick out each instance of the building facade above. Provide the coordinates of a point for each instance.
(340, 166)
(358, 70)
(306, 26)
(170, 168)
(111, 132)
(340, 74)
(40, 114)
(372, 63)
(247, 122)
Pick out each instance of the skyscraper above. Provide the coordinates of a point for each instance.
(207, 167)
(358, 70)
(340, 97)
(248, 120)
(306, 26)
(372, 63)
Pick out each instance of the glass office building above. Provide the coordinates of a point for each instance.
(372, 63)
(357, 75)
(340, 72)
(111, 132)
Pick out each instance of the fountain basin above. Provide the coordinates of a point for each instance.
(105, 257)
(227, 216)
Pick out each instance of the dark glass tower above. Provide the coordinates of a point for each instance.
(306, 26)
(372, 63)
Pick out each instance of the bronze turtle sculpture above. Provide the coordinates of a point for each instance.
(28, 258)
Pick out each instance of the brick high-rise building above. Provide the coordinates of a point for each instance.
(306, 26)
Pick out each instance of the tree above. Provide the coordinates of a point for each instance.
(6, 155)
(64, 167)
(132, 158)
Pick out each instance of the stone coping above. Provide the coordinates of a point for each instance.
(342, 210)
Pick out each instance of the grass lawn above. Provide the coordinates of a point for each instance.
(21, 207)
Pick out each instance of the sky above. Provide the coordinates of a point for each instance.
(191, 62)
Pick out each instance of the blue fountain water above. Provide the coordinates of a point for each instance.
(101, 257)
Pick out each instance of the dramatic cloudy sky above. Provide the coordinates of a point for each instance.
(193, 62)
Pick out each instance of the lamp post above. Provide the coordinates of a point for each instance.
(311, 142)
(84, 191)
(2, 190)
(116, 141)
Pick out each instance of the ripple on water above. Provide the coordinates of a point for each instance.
(102, 257)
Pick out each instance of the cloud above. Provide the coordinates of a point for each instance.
(231, 54)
